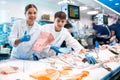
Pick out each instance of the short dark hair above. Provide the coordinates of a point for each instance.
(60, 15)
(30, 6)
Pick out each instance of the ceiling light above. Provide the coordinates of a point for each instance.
(66, 1)
(83, 8)
(62, 2)
(110, 0)
(92, 12)
(116, 4)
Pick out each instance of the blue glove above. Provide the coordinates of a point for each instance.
(61, 49)
(56, 49)
(96, 44)
(25, 37)
(90, 58)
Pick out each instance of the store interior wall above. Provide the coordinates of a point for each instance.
(15, 8)
(86, 20)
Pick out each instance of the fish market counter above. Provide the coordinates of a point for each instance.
(62, 67)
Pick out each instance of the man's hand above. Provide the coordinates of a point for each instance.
(90, 58)
(83, 51)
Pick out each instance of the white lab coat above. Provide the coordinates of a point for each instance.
(59, 38)
(24, 49)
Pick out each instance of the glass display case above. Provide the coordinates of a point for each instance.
(43, 22)
(5, 48)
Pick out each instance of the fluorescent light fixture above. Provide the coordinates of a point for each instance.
(83, 8)
(92, 12)
(62, 2)
(110, 0)
(117, 4)
(66, 1)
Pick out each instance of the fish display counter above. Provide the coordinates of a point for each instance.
(69, 66)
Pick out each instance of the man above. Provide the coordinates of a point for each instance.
(61, 34)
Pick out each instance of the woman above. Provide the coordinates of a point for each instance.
(24, 33)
